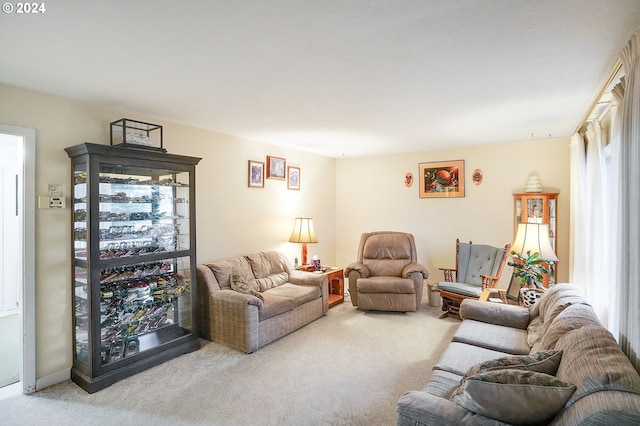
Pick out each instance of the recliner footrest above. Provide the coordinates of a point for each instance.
(386, 285)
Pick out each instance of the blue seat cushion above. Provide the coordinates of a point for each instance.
(463, 289)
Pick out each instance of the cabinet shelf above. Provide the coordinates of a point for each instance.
(133, 261)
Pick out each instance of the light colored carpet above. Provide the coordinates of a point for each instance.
(9, 349)
(346, 368)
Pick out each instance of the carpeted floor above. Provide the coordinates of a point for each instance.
(346, 368)
(9, 349)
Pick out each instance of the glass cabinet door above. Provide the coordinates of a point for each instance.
(80, 211)
(139, 215)
(143, 305)
(142, 215)
(80, 278)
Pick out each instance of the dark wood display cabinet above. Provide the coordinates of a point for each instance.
(133, 251)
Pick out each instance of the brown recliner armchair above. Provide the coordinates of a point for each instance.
(386, 276)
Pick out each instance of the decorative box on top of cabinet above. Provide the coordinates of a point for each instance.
(133, 261)
(539, 207)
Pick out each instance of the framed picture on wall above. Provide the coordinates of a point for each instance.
(256, 174)
(276, 167)
(293, 177)
(442, 179)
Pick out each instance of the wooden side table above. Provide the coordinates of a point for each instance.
(335, 278)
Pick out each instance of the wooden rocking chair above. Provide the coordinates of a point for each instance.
(478, 269)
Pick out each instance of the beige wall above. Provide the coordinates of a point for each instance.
(232, 219)
(345, 197)
(371, 195)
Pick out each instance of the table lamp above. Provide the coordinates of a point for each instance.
(303, 232)
(532, 249)
(534, 238)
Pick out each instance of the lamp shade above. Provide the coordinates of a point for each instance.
(303, 231)
(534, 237)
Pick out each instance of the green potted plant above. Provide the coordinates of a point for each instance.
(530, 269)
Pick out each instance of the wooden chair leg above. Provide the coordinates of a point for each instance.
(450, 308)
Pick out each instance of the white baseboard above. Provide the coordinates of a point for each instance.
(53, 379)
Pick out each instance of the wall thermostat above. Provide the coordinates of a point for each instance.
(45, 202)
(56, 202)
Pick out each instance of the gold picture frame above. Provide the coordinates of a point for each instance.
(256, 174)
(276, 167)
(442, 179)
(293, 178)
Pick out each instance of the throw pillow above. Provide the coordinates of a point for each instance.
(240, 285)
(542, 362)
(513, 396)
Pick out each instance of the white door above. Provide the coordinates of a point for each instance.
(17, 260)
(10, 257)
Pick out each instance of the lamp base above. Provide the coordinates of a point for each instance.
(305, 252)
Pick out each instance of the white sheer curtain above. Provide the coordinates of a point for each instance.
(579, 264)
(614, 168)
(629, 207)
(591, 218)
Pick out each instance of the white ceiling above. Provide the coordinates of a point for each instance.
(334, 77)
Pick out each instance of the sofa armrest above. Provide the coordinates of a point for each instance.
(206, 279)
(233, 320)
(313, 279)
(307, 278)
(422, 408)
(358, 267)
(413, 268)
(495, 313)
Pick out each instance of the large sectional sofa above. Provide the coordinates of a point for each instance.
(553, 363)
(273, 300)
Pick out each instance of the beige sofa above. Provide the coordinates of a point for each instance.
(600, 383)
(289, 300)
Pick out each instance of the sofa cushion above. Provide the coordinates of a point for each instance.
(272, 281)
(491, 336)
(386, 285)
(571, 318)
(242, 285)
(274, 305)
(300, 294)
(553, 301)
(594, 362)
(513, 396)
(270, 269)
(459, 357)
(224, 269)
(267, 263)
(541, 362)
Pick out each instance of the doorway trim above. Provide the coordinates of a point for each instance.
(28, 305)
